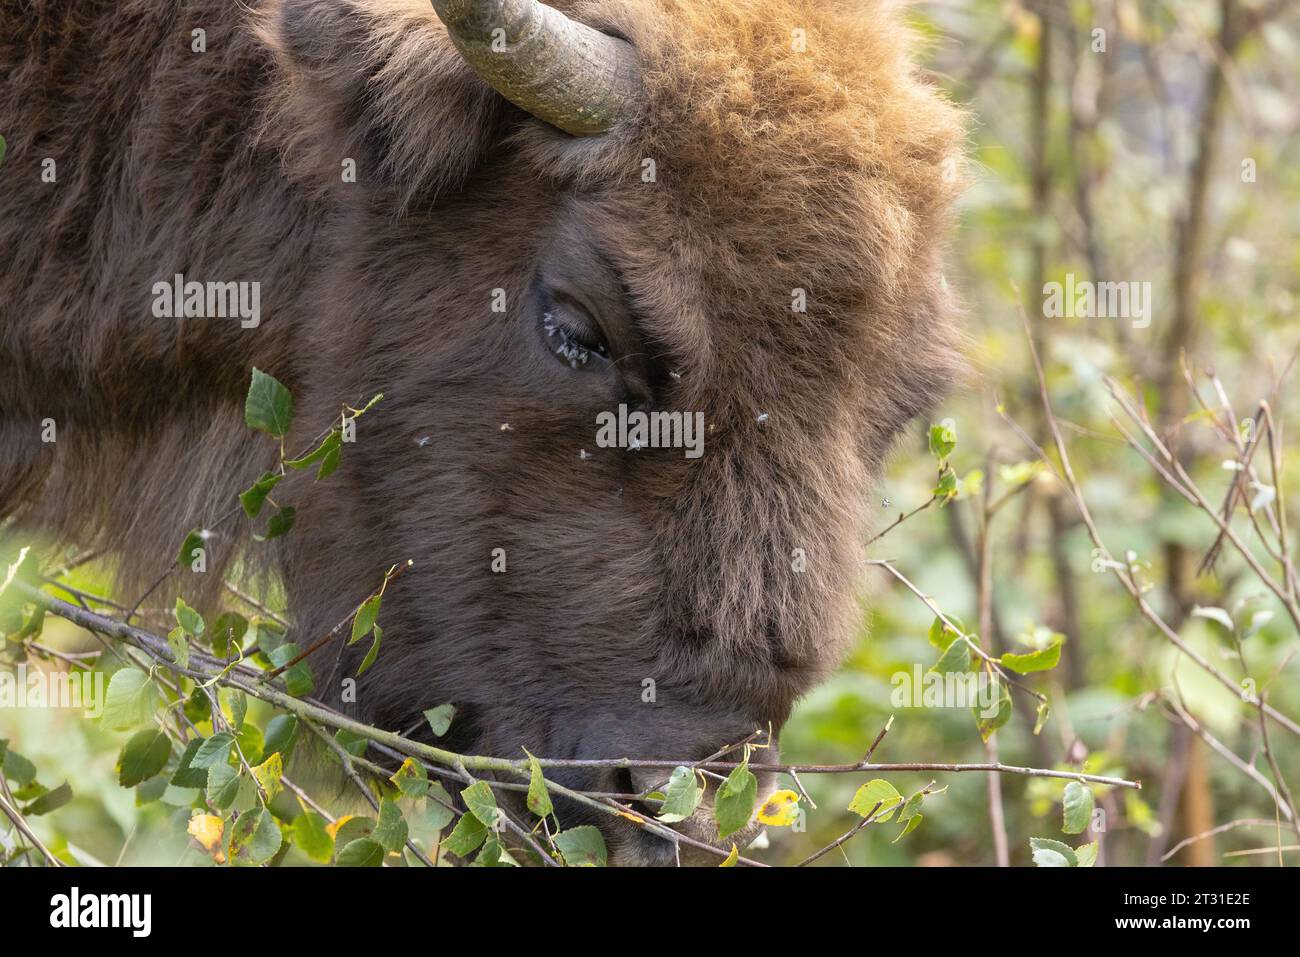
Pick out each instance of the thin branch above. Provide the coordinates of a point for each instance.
(1065, 474)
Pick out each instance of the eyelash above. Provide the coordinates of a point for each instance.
(567, 345)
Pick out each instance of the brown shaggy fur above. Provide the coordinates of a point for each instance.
(776, 169)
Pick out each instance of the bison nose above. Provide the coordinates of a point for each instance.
(643, 781)
(655, 741)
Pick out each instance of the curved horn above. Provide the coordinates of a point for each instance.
(561, 71)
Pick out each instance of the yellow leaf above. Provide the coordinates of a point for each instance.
(207, 830)
(268, 775)
(333, 829)
(731, 858)
(780, 809)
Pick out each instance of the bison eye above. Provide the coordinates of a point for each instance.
(572, 335)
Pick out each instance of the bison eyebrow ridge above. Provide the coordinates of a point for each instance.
(656, 359)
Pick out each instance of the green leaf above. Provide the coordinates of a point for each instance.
(733, 805)
(322, 451)
(683, 796)
(482, 803)
(1040, 719)
(280, 735)
(352, 829)
(255, 839)
(254, 497)
(223, 786)
(197, 707)
(17, 632)
(941, 635)
(279, 523)
(187, 774)
(373, 654)
(351, 742)
(227, 634)
(955, 659)
(180, 797)
(943, 439)
(49, 801)
(1043, 659)
(193, 540)
(434, 812)
(269, 405)
(582, 847)
(150, 790)
(947, 488)
(1077, 808)
(910, 806)
(3, 149)
(131, 700)
(997, 715)
(180, 648)
(411, 778)
(1086, 855)
(298, 680)
(312, 838)
(238, 708)
(1049, 853)
(439, 718)
(16, 767)
(249, 740)
(494, 855)
(268, 635)
(912, 824)
(215, 750)
(466, 836)
(390, 830)
(877, 791)
(329, 463)
(910, 815)
(188, 618)
(143, 756)
(362, 852)
(539, 798)
(365, 618)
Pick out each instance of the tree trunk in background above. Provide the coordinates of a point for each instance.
(1197, 807)
(1197, 815)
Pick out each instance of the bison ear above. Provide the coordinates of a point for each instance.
(377, 82)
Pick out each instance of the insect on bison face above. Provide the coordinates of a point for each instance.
(729, 213)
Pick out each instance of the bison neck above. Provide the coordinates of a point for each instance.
(132, 161)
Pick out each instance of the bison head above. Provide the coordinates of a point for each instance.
(747, 225)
